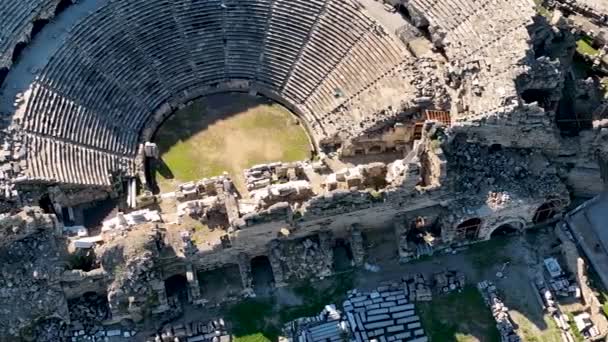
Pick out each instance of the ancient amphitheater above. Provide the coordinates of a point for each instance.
(461, 119)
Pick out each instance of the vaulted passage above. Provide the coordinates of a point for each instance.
(504, 230)
(261, 271)
(343, 255)
(545, 212)
(177, 286)
(221, 283)
(469, 229)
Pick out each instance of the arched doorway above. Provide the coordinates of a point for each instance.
(343, 255)
(504, 230)
(177, 286)
(545, 212)
(261, 272)
(469, 229)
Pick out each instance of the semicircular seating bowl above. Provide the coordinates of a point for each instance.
(126, 65)
(89, 105)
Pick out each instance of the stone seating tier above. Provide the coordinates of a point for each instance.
(129, 58)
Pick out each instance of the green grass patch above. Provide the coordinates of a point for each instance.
(486, 254)
(259, 337)
(261, 320)
(584, 46)
(460, 317)
(228, 134)
(254, 319)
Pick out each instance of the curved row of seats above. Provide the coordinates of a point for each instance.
(52, 160)
(127, 59)
(472, 26)
(16, 23)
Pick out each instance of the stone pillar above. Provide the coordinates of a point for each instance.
(245, 270)
(356, 243)
(194, 290)
(275, 257)
(327, 253)
(71, 214)
(401, 227)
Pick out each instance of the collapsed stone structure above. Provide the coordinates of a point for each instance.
(464, 111)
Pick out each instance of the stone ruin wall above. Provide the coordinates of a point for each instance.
(338, 211)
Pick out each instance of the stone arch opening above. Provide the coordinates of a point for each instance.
(261, 272)
(495, 148)
(545, 212)
(220, 283)
(504, 230)
(541, 96)
(343, 255)
(177, 286)
(469, 229)
(46, 204)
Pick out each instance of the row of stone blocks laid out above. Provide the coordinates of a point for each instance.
(128, 58)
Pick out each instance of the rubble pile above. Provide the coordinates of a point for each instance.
(480, 169)
(263, 175)
(87, 313)
(360, 177)
(449, 281)
(201, 208)
(51, 330)
(293, 191)
(131, 262)
(201, 188)
(418, 288)
(306, 258)
(25, 222)
(337, 202)
(499, 311)
(30, 275)
(211, 331)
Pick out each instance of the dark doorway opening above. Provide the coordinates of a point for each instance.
(263, 278)
(46, 205)
(17, 51)
(343, 255)
(62, 6)
(469, 229)
(218, 284)
(177, 286)
(545, 212)
(540, 96)
(504, 230)
(37, 27)
(495, 148)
